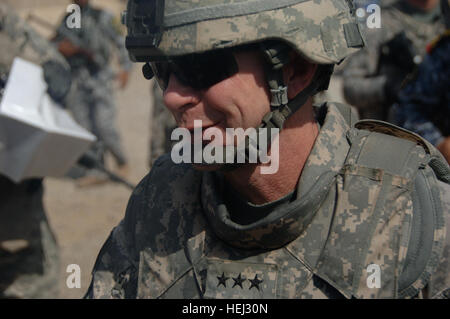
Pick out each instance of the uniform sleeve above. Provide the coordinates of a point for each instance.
(422, 99)
(114, 272)
(116, 269)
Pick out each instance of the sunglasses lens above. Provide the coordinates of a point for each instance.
(199, 71)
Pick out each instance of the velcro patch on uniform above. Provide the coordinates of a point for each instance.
(231, 279)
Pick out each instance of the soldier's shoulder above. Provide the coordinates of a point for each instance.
(388, 129)
(164, 171)
(398, 145)
(422, 170)
(102, 15)
(107, 20)
(162, 218)
(426, 154)
(165, 204)
(166, 179)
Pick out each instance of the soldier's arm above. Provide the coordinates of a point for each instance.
(67, 43)
(116, 269)
(365, 85)
(68, 49)
(362, 87)
(114, 273)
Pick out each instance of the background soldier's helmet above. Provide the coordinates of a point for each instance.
(322, 31)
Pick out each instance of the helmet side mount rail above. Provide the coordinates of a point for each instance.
(146, 19)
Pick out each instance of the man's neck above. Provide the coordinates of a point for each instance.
(296, 142)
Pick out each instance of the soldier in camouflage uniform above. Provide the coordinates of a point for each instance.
(347, 196)
(373, 76)
(29, 259)
(424, 104)
(91, 99)
(162, 127)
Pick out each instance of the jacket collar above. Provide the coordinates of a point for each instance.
(287, 223)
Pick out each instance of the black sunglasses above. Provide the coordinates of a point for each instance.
(199, 71)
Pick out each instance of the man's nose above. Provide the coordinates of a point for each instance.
(178, 96)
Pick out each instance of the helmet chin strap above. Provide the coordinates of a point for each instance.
(277, 56)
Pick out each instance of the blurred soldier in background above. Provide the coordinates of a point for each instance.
(162, 127)
(424, 104)
(335, 90)
(373, 76)
(91, 99)
(29, 261)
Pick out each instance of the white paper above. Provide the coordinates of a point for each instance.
(37, 137)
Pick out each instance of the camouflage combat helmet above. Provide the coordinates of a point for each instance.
(321, 31)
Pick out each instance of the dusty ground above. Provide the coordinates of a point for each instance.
(83, 218)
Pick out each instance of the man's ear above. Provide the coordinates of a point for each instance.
(298, 74)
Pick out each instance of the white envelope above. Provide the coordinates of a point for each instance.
(37, 137)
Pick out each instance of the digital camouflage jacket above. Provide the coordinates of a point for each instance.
(364, 198)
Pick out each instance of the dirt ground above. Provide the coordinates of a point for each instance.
(82, 218)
